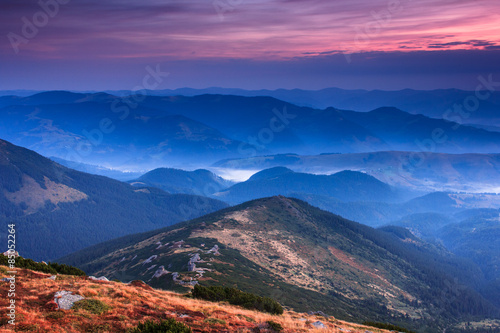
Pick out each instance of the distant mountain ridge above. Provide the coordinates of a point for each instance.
(432, 103)
(158, 130)
(201, 182)
(426, 171)
(345, 185)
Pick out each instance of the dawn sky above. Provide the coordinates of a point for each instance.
(253, 44)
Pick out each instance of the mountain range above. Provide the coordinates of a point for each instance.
(424, 171)
(348, 185)
(154, 131)
(440, 103)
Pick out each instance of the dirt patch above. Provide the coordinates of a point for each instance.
(34, 196)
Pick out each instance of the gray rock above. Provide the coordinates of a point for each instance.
(214, 250)
(159, 272)
(102, 278)
(319, 324)
(318, 313)
(65, 299)
(192, 262)
(150, 259)
(53, 277)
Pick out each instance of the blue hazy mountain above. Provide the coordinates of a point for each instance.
(90, 132)
(345, 185)
(58, 210)
(202, 182)
(160, 130)
(473, 234)
(425, 171)
(377, 212)
(432, 103)
(97, 170)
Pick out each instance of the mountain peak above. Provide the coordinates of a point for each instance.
(270, 173)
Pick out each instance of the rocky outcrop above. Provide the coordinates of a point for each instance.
(214, 250)
(150, 259)
(319, 324)
(192, 262)
(102, 278)
(65, 299)
(160, 272)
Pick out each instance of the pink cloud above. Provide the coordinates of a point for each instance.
(258, 29)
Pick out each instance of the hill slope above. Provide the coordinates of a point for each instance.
(306, 258)
(59, 210)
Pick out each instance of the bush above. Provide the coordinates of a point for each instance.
(275, 326)
(237, 297)
(55, 315)
(164, 326)
(51, 268)
(387, 326)
(215, 321)
(91, 305)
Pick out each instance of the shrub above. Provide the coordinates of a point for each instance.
(164, 326)
(52, 268)
(215, 321)
(27, 328)
(55, 315)
(91, 305)
(237, 297)
(275, 326)
(387, 326)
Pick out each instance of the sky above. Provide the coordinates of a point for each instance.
(250, 44)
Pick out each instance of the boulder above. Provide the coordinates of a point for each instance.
(319, 324)
(102, 278)
(65, 299)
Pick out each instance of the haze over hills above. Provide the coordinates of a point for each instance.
(58, 210)
(100, 132)
(308, 259)
(345, 185)
(472, 234)
(426, 171)
(97, 170)
(384, 167)
(157, 131)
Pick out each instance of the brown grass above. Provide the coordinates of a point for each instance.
(130, 304)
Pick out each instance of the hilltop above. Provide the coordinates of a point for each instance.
(306, 258)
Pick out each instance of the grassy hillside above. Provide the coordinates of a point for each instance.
(116, 307)
(306, 258)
